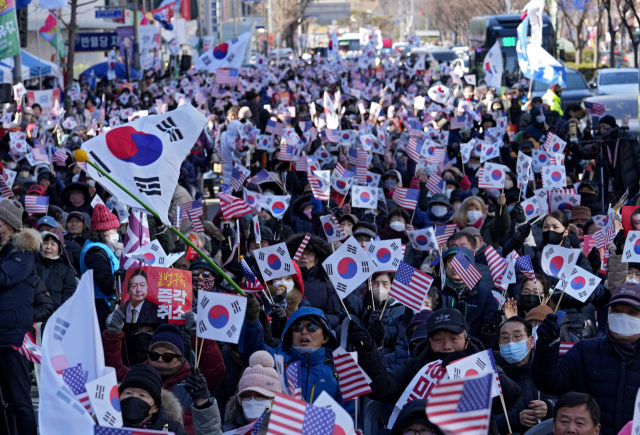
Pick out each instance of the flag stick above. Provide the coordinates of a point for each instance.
(538, 218)
(200, 354)
(520, 195)
(384, 308)
(356, 419)
(345, 309)
(81, 156)
(412, 215)
(559, 300)
(373, 301)
(504, 408)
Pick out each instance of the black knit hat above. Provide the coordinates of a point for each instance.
(146, 377)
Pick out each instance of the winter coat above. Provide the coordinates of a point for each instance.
(395, 321)
(552, 99)
(597, 367)
(206, 421)
(297, 220)
(521, 375)
(59, 278)
(317, 370)
(17, 285)
(496, 227)
(43, 306)
(321, 294)
(389, 233)
(399, 355)
(103, 261)
(211, 366)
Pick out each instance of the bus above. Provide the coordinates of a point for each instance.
(349, 43)
(486, 30)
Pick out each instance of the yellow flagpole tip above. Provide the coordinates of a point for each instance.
(80, 155)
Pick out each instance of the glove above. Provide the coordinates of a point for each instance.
(494, 321)
(518, 213)
(253, 309)
(227, 232)
(360, 338)
(376, 330)
(277, 312)
(619, 241)
(190, 322)
(196, 386)
(451, 357)
(277, 228)
(549, 330)
(523, 232)
(115, 322)
(316, 203)
(594, 259)
(465, 184)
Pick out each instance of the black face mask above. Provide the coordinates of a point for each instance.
(141, 344)
(589, 198)
(527, 303)
(134, 411)
(552, 238)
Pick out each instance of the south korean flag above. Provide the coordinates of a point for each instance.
(580, 284)
(265, 143)
(349, 267)
(632, 248)
(387, 253)
(220, 316)
(341, 184)
(489, 151)
(364, 197)
(145, 156)
(332, 229)
(277, 205)
(424, 239)
(554, 177)
(274, 261)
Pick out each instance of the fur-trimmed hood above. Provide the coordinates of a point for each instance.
(171, 406)
(26, 240)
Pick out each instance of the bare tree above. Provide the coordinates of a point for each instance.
(288, 15)
(609, 6)
(71, 51)
(575, 18)
(599, 34)
(629, 18)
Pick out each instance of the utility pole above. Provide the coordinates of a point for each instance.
(235, 23)
(68, 79)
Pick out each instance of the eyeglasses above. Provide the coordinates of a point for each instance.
(418, 432)
(311, 327)
(204, 273)
(514, 338)
(166, 357)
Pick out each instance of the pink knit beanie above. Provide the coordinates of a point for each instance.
(260, 376)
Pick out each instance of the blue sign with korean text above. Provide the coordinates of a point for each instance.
(109, 13)
(96, 41)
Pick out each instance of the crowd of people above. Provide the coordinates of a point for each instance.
(308, 105)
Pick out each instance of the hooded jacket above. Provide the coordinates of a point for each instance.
(413, 412)
(17, 285)
(57, 274)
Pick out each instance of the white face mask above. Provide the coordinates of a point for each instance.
(473, 216)
(254, 408)
(439, 210)
(448, 192)
(633, 280)
(624, 324)
(474, 166)
(114, 237)
(508, 184)
(380, 293)
(397, 225)
(539, 119)
(287, 284)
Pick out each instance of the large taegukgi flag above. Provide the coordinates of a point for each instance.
(144, 156)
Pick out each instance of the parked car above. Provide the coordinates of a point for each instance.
(610, 81)
(281, 53)
(438, 54)
(575, 91)
(619, 59)
(620, 105)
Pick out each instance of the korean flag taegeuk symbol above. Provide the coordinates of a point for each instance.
(274, 261)
(220, 316)
(349, 267)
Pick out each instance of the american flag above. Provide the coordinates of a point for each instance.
(250, 429)
(443, 232)
(196, 223)
(4, 188)
(318, 193)
(60, 157)
(358, 157)
(192, 211)
(341, 170)
(261, 177)
(238, 177)
(565, 346)
(457, 122)
(301, 164)
(497, 265)
(303, 245)
(40, 154)
(293, 416)
(361, 175)
(352, 379)
(467, 271)
(251, 283)
(29, 349)
(227, 76)
(294, 383)
(410, 286)
(333, 135)
(75, 380)
(287, 152)
(461, 406)
(435, 183)
(523, 264)
(274, 127)
(36, 204)
(232, 206)
(225, 188)
(106, 430)
(599, 109)
(415, 128)
(406, 198)
(412, 149)
(438, 155)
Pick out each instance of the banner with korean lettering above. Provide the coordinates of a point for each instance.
(96, 41)
(156, 295)
(9, 40)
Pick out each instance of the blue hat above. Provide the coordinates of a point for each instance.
(465, 251)
(168, 334)
(47, 220)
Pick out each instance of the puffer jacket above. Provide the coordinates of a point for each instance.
(211, 366)
(17, 285)
(521, 375)
(399, 355)
(206, 421)
(596, 367)
(321, 294)
(43, 306)
(318, 373)
(59, 278)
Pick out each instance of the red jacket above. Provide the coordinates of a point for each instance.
(211, 366)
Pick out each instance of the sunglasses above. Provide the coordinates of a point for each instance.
(311, 327)
(205, 273)
(166, 357)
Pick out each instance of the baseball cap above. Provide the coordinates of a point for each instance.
(48, 220)
(448, 319)
(628, 293)
(439, 198)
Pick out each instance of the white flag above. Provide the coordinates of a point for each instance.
(277, 205)
(220, 316)
(229, 54)
(493, 67)
(364, 197)
(493, 176)
(523, 163)
(274, 261)
(387, 253)
(349, 267)
(563, 201)
(72, 338)
(145, 155)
